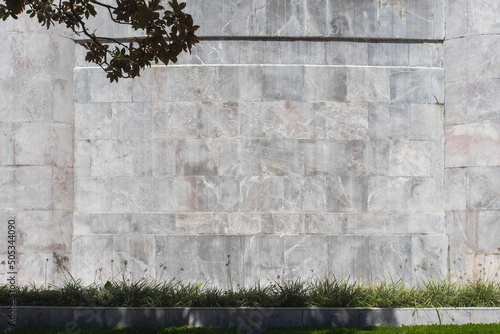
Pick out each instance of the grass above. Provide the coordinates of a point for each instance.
(437, 329)
(281, 293)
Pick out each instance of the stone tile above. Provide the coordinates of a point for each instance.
(35, 106)
(42, 267)
(7, 67)
(249, 158)
(34, 59)
(163, 157)
(282, 224)
(176, 119)
(346, 120)
(426, 54)
(347, 194)
(455, 189)
(63, 188)
(283, 83)
(426, 122)
(388, 54)
(63, 101)
(133, 256)
(93, 121)
(30, 224)
(410, 158)
(220, 261)
(288, 119)
(482, 56)
(218, 120)
(456, 108)
(353, 19)
(325, 83)
(305, 256)
(6, 143)
(281, 157)
(228, 156)
(388, 121)
(252, 83)
(483, 266)
(461, 230)
(8, 185)
(263, 259)
(132, 120)
(131, 194)
(349, 257)
(82, 158)
(456, 11)
(264, 194)
(346, 158)
(113, 223)
(345, 52)
(198, 223)
(82, 85)
(241, 224)
(43, 144)
(429, 257)
(92, 194)
(369, 84)
(305, 194)
(402, 195)
(488, 232)
(483, 17)
(217, 193)
(146, 88)
(94, 256)
(183, 187)
(412, 20)
(482, 100)
(472, 145)
(102, 91)
(483, 188)
(364, 224)
(33, 188)
(176, 258)
(228, 85)
(200, 87)
(195, 157)
(417, 85)
(390, 256)
(115, 158)
(418, 224)
(284, 18)
(104, 223)
(325, 223)
(455, 61)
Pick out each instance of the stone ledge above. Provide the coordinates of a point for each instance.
(248, 320)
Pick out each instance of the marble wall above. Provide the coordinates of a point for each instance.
(295, 148)
(472, 137)
(299, 139)
(36, 149)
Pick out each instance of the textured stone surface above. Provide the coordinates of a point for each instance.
(471, 137)
(309, 142)
(322, 137)
(324, 18)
